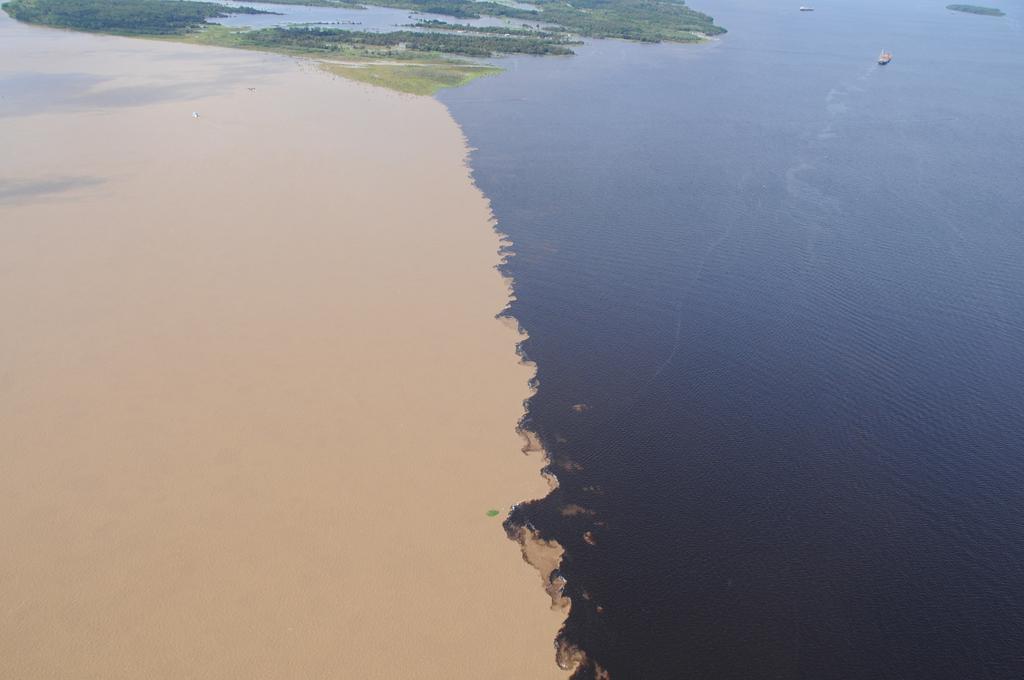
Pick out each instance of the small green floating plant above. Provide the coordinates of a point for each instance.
(493, 513)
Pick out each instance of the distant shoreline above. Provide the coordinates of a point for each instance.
(422, 62)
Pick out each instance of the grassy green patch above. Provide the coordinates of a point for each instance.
(214, 34)
(413, 77)
(977, 9)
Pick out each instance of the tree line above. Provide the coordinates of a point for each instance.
(133, 17)
(469, 45)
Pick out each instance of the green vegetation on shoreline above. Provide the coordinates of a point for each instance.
(409, 72)
(434, 24)
(414, 77)
(977, 9)
(464, 9)
(126, 17)
(181, 17)
(461, 9)
(408, 61)
(346, 4)
(643, 20)
(395, 43)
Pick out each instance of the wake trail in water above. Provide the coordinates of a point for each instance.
(677, 340)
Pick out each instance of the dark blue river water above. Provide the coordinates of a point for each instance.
(783, 288)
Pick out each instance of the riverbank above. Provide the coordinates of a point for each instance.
(256, 406)
(431, 57)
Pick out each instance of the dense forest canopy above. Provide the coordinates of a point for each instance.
(475, 44)
(137, 17)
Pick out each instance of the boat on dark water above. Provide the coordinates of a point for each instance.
(884, 58)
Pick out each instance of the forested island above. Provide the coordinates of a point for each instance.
(546, 27)
(977, 9)
(473, 44)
